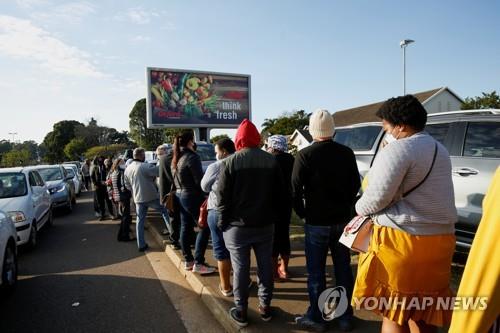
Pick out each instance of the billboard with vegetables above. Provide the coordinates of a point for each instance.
(184, 98)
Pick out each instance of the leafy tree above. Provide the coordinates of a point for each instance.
(486, 101)
(15, 158)
(75, 148)
(147, 138)
(5, 147)
(31, 146)
(219, 137)
(108, 151)
(285, 124)
(54, 142)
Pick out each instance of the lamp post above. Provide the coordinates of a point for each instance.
(13, 136)
(403, 44)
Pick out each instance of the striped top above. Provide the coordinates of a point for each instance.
(430, 209)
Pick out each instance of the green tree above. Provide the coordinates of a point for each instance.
(148, 139)
(486, 101)
(75, 148)
(285, 124)
(15, 158)
(5, 147)
(55, 141)
(31, 146)
(219, 137)
(108, 151)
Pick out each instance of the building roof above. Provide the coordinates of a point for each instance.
(305, 133)
(366, 113)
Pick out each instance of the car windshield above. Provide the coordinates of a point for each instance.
(12, 184)
(50, 174)
(357, 138)
(206, 152)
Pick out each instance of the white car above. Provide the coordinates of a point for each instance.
(26, 199)
(75, 177)
(8, 253)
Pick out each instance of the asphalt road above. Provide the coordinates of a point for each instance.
(80, 279)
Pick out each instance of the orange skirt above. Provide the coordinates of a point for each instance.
(403, 268)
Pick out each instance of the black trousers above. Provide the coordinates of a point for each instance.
(103, 200)
(124, 232)
(175, 221)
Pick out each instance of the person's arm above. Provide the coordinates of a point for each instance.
(298, 181)
(165, 184)
(224, 196)
(195, 168)
(209, 177)
(386, 176)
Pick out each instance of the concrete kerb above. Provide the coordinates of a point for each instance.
(206, 293)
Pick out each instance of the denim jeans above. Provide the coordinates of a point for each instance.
(239, 242)
(218, 245)
(190, 210)
(318, 240)
(141, 210)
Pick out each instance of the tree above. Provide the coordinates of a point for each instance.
(486, 101)
(54, 142)
(5, 147)
(31, 146)
(108, 151)
(148, 139)
(15, 158)
(285, 124)
(75, 148)
(219, 137)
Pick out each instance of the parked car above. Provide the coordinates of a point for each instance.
(60, 185)
(472, 138)
(8, 253)
(24, 197)
(207, 154)
(75, 177)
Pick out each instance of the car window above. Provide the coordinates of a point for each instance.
(70, 172)
(438, 131)
(206, 152)
(38, 178)
(12, 184)
(357, 138)
(51, 174)
(482, 139)
(32, 179)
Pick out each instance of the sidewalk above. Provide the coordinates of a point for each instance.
(290, 298)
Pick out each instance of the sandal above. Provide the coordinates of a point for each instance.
(226, 293)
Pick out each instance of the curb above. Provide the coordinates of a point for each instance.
(208, 296)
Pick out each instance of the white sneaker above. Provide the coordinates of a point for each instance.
(203, 269)
(188, 265)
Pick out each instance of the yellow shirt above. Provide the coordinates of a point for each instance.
(482, 273)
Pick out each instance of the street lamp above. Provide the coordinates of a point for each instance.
(13, 136)
(403, 44)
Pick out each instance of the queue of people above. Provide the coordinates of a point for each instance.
(250, 194)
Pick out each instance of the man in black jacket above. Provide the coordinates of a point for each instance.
(166, 181)
(325, 181)
(250, 196)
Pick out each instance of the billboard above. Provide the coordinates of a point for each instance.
(185, 98)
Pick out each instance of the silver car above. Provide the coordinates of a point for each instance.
(8, 253)
(472, 138)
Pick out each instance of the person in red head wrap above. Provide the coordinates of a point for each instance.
(251, 193)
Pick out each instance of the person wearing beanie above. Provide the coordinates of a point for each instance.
(325, 181)
(278, 146)
(250, 189)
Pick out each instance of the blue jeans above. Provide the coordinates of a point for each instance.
(190, 210)
(218, 245)
(318, 240)
(141, 210)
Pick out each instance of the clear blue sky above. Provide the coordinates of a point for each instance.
(80, 59)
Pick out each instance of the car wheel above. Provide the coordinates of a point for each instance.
(9, 271)
(32, 241)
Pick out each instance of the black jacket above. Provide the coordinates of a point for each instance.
(189, 172)
(285, 162)
(325, 174)
(250, 189)
(165, 163)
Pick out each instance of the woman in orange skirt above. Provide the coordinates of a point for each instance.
(404, 276)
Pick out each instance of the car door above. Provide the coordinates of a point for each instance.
(474, 169)
(36, 196)
(46, 200)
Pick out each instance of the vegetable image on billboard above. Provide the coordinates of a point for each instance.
(182, 98)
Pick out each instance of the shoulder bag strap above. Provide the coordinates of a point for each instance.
(427, 175)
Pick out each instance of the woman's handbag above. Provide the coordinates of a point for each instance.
(357, 233)
(203, 218)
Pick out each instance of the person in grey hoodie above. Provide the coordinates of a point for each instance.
(140, 178)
